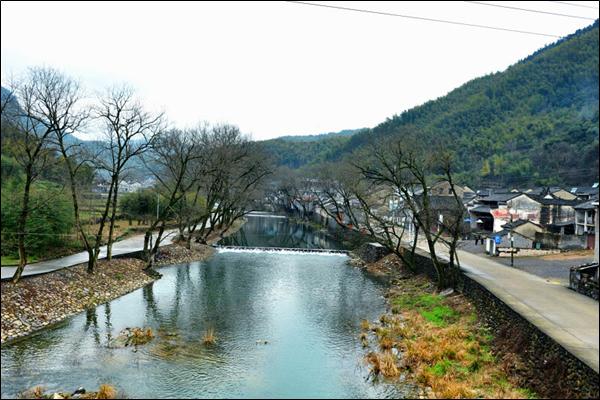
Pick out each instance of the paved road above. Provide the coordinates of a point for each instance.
(570, 318)
(126, 246)
(553, 269)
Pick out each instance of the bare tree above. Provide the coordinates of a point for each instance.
(408, 170)
(355, 203)
(233, 167)
(59, 109)
(129, 132)
(297, 191)
(26, 136)
(170, 161)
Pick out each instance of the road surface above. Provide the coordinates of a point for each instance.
(126, 246)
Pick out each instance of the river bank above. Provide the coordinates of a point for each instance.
(286, 325)
(40, 301)
(438, 341)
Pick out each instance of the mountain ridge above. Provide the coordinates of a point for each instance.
(534, 123)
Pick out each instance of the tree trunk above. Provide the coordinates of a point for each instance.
(146, 251)
(92, 260)
(21, 229)
(86, 242)
(152, 254)
(113, 215)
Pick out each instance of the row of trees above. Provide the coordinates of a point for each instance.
(207, 176)
(385, 192)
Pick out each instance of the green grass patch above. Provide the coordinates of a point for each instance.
(440, 315)
(11, 261)
(422, 302)
(441, 368)
(527, 393)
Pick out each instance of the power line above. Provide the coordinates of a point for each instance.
(530, 10)
(575, 5)
(425, 19)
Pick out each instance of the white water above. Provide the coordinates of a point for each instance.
(295, 252)
(265, 215)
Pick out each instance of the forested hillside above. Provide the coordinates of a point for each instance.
(321, 136)
(534, 123)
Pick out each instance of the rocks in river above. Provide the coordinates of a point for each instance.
(261, 341)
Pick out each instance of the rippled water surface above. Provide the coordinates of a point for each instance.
(306, 306)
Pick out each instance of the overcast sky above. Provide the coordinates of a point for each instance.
(278, 68)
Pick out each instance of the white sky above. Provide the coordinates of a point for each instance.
(276, 68)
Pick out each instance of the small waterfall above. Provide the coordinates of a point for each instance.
(280, 250)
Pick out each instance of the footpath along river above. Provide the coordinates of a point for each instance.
(287, 325)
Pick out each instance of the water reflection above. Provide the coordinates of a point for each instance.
(279, 232)
(305, 306)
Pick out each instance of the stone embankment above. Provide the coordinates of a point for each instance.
(42, 300)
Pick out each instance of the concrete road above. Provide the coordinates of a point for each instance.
(556, 269)
(570, 318)
(126, 246)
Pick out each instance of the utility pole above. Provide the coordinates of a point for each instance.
(512, 254)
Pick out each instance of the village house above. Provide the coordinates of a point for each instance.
(585, 193)
(556, 192)
(585, 221)
(555, 214)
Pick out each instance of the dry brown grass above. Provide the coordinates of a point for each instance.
(140, 336)
(386, 343)
(364, 325)
(209, 338)
(106, 392)
(36, 392)
(364, 339)
(383, 363)
(453, 358)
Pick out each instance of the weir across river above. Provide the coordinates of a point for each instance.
(280, 249)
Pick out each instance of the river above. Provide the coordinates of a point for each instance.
(286, 324)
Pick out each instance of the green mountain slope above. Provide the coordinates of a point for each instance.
(321, 136)
(534, 123)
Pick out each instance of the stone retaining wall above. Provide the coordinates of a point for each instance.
(550, 370)
(372, 252)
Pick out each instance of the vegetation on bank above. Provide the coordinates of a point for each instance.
(438, 342)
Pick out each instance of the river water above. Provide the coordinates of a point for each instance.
(306, 307)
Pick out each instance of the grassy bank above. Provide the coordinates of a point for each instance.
(439, 343)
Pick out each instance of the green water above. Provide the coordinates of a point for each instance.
(306, 306)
